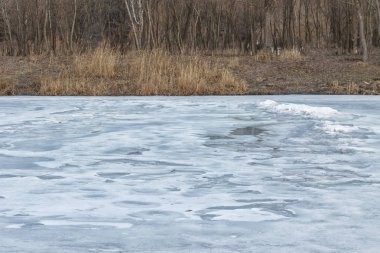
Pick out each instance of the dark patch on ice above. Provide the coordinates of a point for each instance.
(345, 151)
(90, 190)
(322, 181)
(9, 176)
(32, 224)
(223, 180)
(254, 131)
(338, 173)
(173, 189)
(50, 177)
(135, 153)
(219, 137)
(21, 215)
(1, 197)
(150, 191)
(251, 191)
(113, 175)
(67, 111)
(68, 166)
(128, 151)
(255, 200)
(242, 118)
(47, 191)
(355, 182)
(96, 196)
(208, 217)
(133, 203)
(189, 171)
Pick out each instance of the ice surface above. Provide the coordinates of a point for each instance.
(195, 174)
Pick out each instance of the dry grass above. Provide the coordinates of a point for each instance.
(159, 73)
(67, 85)
(101, 62)
(376, 87)
(351, 88)
(7, 88)
(282, 55)
(105, 72)
(290, 54)
(336, 88)
(264, 55)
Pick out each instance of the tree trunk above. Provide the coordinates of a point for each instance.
(362, 31)
(130, 4)
(268, 40)
(378, 20)
(73, 25)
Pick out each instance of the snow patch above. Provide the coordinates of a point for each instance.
(85, 223)
(15, 226)
(333, 128)
(298, 109)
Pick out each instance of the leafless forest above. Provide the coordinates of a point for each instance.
(189, 47)
(37, 26)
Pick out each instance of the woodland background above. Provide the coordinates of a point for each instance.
(36, 26)
(271, 44)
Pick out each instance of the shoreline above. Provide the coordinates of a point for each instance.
(317, 72)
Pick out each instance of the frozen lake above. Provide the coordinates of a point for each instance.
(195, 174)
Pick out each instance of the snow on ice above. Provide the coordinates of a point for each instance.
(195, 174)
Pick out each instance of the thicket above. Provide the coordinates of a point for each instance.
(246, 26)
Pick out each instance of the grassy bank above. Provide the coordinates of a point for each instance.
(105, 71)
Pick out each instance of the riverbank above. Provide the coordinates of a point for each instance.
(105, 72)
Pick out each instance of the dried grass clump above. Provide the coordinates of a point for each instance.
(376, 88)
(336, 88)
(68, 84)
(282, 55)
(264, 55)
(7, 88)
(90, 74)
(290, 54)
(353, 88)
(101, 62)
(159, 73)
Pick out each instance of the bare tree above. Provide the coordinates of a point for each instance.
(377, 2)
(360, 11)
(136, 17)
(181, 25)
(73, 24)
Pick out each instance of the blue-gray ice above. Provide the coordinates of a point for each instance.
(196, 174)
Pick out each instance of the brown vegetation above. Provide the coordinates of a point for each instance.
(141, 73)
(158, 72)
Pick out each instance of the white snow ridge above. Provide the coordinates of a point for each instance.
(298, 109)
(333, 128)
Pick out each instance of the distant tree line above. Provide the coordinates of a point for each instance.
(38, 26)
